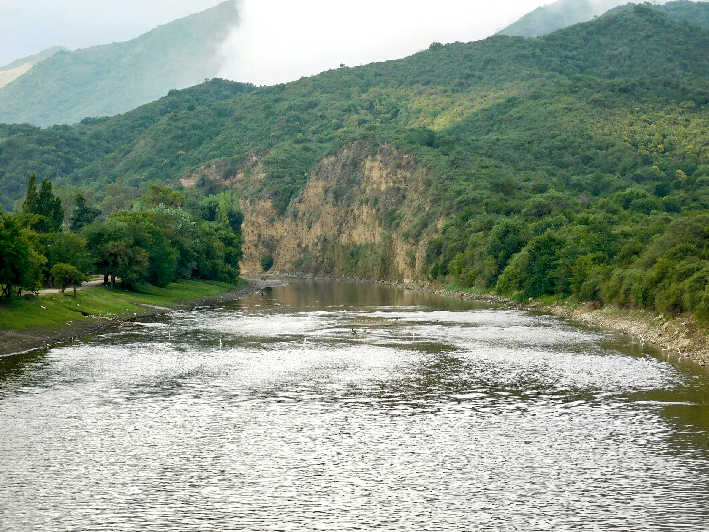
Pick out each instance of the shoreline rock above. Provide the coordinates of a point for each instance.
(679, 336)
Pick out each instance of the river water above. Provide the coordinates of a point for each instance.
(336, 406)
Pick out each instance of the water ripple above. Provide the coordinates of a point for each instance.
(355, 417)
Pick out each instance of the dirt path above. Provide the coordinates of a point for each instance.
(94, 282)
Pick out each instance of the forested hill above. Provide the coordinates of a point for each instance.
(681, 10)
(14, 70)
(555, 16)
(115, 78)
(564, 13)
(575, 164)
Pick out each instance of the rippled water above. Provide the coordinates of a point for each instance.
(334, 406)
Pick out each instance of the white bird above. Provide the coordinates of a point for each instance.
(220, 343)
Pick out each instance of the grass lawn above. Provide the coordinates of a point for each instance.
(55, 310)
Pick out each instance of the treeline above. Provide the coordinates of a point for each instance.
(168, 236)
(606, 254)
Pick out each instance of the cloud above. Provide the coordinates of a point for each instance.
(279, 41)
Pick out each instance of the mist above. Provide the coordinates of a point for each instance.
(279, 41)
(29, 26)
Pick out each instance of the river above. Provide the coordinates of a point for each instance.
(341, 406)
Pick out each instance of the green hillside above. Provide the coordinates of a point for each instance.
(114, 78)
(571, 165)
(34, 59)
(14, 70)
(563, 13)
(555, 16)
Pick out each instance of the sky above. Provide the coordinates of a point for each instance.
(276, 40)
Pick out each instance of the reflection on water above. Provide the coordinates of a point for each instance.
(337, 406)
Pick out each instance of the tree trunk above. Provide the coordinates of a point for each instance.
(74, 291)
(105, 280)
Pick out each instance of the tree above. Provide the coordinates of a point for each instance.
(67, 248)
(130, 263)
(160, 195)
(67, 275)
(20, 263)
(44, 204)
(29, 205)
(267, 262)
(82, 214)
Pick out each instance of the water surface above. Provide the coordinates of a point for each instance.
(337, 406)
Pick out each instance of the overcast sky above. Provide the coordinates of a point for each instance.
(277, 40)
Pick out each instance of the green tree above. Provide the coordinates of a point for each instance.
(20, 263)
(44, 204)
(82, 214)
(67, 275)
(267, 262)
(67, 248)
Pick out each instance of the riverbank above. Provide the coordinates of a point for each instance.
(40, 322)
(680, 337)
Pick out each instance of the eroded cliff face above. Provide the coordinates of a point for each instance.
(356, 216)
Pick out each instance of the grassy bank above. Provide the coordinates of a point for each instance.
(37, 322)
(56, 310)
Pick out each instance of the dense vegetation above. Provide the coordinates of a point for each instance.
(571, 165)
(563, 13)
(114, 78)
(169, 236)
(556, 16)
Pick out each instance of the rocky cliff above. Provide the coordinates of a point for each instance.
(356, 216)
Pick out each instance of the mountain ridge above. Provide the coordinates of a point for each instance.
(571, 165)
(19, 67)
(114, 78)
(564, 13)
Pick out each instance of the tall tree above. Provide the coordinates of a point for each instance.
(29, 205)
(45, 205)
(82, 214)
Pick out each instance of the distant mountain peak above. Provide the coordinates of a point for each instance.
(564, 13)
(19, 67)
(114, 78)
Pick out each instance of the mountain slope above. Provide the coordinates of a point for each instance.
(555, 16)
(564, 13)
(111, 79)
(682, 10)
(17, 68)
(571, 165)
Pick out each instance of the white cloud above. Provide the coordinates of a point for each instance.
(277, 41)
(280, 40)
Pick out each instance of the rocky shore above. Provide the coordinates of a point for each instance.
(680, 337)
